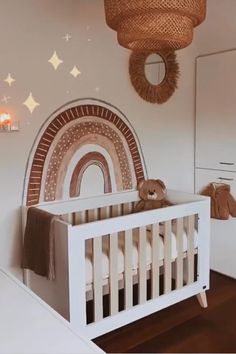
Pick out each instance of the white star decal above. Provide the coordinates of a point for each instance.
(30, 103)
(55, 60)
(67, 37)
(5, 99)
(75, 71)
(9, 79)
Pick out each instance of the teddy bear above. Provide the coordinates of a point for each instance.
(223, 203)
(153, 195)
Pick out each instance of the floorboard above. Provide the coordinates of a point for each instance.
(184, 327)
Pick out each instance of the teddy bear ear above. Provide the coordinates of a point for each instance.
(162, 184)
(141, 183)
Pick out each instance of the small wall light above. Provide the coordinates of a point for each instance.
(6, 123)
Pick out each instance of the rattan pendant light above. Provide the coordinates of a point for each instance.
(154, 24)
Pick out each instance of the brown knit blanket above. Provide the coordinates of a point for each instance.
(38, 250)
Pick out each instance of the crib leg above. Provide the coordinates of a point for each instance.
(202, 299)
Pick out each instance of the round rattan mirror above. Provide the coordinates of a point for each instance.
(155, 69)
(154, 88)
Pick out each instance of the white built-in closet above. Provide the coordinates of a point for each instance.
(215, 158)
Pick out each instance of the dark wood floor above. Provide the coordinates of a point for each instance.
(184, 327)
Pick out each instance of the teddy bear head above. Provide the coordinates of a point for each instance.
(152, 189)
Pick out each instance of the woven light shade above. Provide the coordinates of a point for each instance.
(154, 24)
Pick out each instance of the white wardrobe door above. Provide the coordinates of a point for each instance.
(216, 111)
(223, 232)
(205, 176)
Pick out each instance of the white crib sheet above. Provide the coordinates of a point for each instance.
(121, 245)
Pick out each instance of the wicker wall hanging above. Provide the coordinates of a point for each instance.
(161, 92)
(154, 24)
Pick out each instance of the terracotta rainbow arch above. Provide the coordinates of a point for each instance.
(107, 140)
(91, 158)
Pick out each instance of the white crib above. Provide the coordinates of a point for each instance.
(105, 251)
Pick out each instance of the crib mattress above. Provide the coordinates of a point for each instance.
(135, 260)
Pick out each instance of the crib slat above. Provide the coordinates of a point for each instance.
(167, 257)
(97, 272)
(190, 248)
(128, 269)
(73, 218)
(113, 273)
(119, 210)
(103, 213)
(127, 207)
(80, 217)
(97, 279)
(179, 262)
(70, 218)
(142, 265)
(86, 216)
(83, 216)
(92, 215)
(115, 211)
(155, 274)
(132, 206)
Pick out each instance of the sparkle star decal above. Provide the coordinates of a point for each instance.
(67, 37)
(30, 103)
(9, 79)
(75, 71)
(5, 99)
(55, 60)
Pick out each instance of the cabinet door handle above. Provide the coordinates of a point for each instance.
(225, 179)
(227, 163)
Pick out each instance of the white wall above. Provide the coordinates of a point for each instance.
(217, 33)
(30, 31)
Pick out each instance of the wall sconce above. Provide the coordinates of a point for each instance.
(7, 124)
